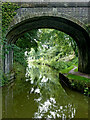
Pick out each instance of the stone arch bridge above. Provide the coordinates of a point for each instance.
(68, 17)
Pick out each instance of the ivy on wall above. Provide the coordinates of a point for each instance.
(8, 12)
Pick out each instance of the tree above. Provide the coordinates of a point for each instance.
(56, 43)
(28, 40)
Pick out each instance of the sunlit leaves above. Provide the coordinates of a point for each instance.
(53, 42)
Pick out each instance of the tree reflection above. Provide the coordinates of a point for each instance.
(53, 102)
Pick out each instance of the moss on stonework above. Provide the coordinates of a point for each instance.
(79, 83)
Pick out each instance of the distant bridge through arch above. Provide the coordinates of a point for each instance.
(66, 17)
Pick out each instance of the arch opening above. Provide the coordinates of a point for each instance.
(55, 49)
(78, 33)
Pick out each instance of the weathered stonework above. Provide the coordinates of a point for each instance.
(1, 62)
(67, 17)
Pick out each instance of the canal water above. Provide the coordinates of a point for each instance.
(39, 94)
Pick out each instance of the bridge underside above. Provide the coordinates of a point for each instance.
(79, 34)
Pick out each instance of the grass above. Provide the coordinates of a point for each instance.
(67, 69)
(76, 70)
(76, 77)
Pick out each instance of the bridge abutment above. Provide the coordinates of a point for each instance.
(8, 61)
(84, 61)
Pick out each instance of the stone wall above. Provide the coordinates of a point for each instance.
(75, 11)
(79, 13)
(47, 0)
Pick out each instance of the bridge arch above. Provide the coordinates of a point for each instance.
(26, 21)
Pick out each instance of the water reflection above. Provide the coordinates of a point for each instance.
(50, 109)
(40, 95)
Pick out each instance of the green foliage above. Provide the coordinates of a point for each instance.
(28, 40)
(19, 55)
(8, 12)
(24, 43)
(76, 77)
(63, 66)
(61, 42)
(58, 65)
(67, 69)
(53, 46)
(76, 70)
(86, 90)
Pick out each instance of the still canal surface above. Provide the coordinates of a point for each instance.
(39, 94)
